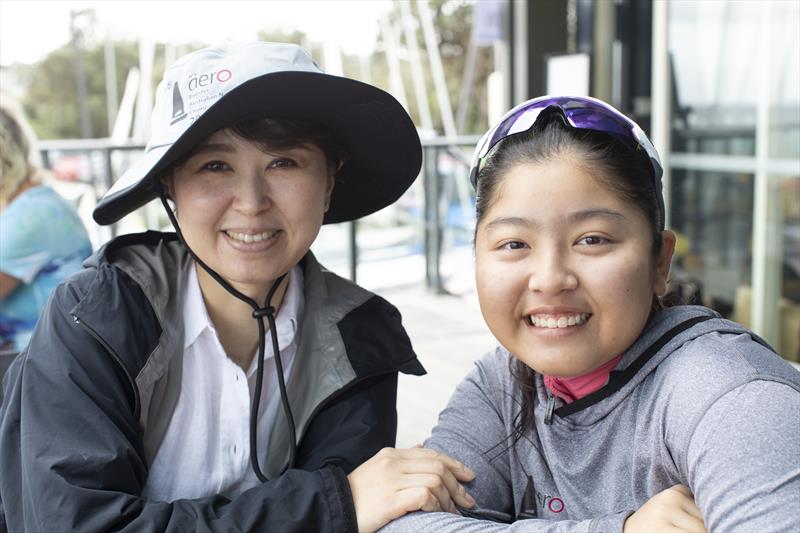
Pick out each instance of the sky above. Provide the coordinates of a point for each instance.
(29, 29)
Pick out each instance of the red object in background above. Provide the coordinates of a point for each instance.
(72, 168)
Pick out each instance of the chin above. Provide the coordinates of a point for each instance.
(554, 365)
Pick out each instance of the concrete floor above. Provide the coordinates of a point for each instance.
(448, 334)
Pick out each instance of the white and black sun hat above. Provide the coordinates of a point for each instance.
(214, 88)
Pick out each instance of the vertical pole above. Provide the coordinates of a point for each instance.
(519, 26)
(395, 75)
(602, 58)
(112, 229)
(352, 227)
(111, 84)
(766, 260)
(662, 95)
(45, 155)
(467, 80)
(80, 75)
(365, 69)
(435, 60)
(433, 229)
(410, 33)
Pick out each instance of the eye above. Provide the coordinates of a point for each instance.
(513, 245)
(593, 240)
(283, 162)
(215, 166)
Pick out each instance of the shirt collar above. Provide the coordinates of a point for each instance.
(289, 315)
(195, 316)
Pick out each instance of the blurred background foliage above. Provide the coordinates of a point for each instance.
(51, 95)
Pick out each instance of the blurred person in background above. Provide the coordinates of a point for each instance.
(42, 239)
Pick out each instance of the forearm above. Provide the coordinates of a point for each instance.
(7, 284)
(449, 523)
(475, 404)
(297, 501)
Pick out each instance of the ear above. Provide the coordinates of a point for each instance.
(166, 183)
(663, 262)
(329, 188)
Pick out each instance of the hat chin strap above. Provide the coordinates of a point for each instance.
(268, 311)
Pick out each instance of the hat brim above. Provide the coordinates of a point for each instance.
(385, 155)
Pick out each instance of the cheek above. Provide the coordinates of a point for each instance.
(499, 290)
(626, 285)
(193, 196)
(195, 209)
(309, 195)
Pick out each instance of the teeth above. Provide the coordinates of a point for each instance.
(250, 237)
(550, 322)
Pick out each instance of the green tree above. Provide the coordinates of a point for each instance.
(453, 20)
(51, 101)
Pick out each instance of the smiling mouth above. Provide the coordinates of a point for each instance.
(560, 322)
(251, 237)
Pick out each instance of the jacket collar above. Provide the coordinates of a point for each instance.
(665, 332)
(158, 264)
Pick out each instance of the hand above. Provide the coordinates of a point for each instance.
(397, 481)
(671, 510)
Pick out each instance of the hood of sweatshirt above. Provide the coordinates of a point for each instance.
(666, 332)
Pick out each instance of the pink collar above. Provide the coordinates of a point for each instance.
(575, 388)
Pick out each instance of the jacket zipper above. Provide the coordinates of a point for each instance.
(551, 405)
(324, 403)
(116, 358)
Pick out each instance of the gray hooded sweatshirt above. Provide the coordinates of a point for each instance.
(697, 400)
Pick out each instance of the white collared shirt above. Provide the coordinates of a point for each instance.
(206, 448)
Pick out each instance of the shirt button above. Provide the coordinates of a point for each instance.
(237, 377)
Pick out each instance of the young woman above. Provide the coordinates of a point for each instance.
(601, 411)
(149, 398)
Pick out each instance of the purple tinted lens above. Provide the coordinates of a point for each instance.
(580, 113)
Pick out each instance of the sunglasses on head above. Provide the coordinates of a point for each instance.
(581, 112)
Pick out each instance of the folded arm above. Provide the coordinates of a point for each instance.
(743, 459)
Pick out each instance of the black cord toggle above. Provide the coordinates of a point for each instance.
(264, 311)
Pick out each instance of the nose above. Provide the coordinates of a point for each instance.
(251, 195)
(551, 272)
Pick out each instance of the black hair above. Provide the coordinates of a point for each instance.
(287, 133)
(281, 133)
(625, 170)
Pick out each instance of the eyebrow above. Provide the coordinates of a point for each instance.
(577, 216)
(212, 147)
(511, 221)
(587, 214)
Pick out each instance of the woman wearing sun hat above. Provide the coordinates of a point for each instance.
(151, 399)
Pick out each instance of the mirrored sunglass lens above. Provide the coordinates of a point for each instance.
(600, 119)
(580, 113)
(519, 121)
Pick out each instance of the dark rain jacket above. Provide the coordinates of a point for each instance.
(87, 404)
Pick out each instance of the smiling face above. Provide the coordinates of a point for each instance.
(250, 214)
(564, 267)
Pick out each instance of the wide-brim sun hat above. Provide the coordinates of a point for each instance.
(215, 88)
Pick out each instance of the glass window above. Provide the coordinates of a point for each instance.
(735, 161)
